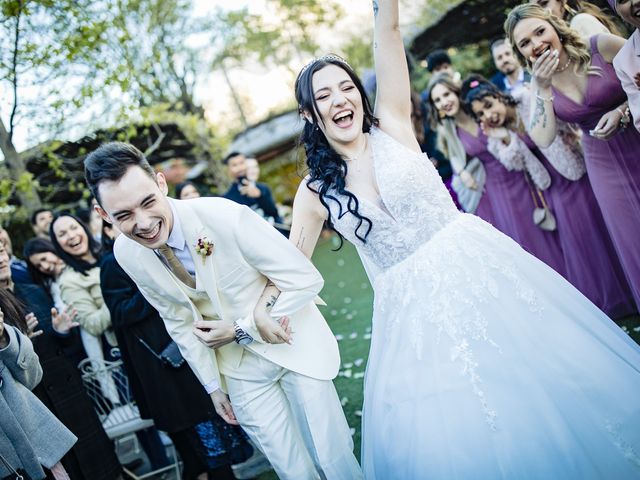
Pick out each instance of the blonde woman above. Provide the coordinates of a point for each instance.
(576, 83)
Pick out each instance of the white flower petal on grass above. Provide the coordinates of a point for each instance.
(358, 413)
(347, 365)
(339, 337)
(358, 361)
(344, 401)
(353, 335)
(353, 431)
(358, 375)
(367, 336)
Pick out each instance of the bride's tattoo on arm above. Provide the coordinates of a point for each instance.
(300, 242)
(539, 114)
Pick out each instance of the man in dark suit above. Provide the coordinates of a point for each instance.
(511, 75)
(256, 196)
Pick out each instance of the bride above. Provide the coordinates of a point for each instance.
(484, 362)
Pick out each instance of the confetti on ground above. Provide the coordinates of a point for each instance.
(347, 365)
(358, 375)
(343, 311)
(368, 329)
(353, 431)
(636, 329)
(367, 336)
(349, 316)
(339, 337)
(346, 373)
(625, 329)
(334, 312)
(347, 300)
(353, 335)
(341, 262)
(358, 361)
(358, 413)
(344, 401)
(341, 284)
(364, 286)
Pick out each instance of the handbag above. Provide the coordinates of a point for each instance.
(170, 355)
(18, 474)
(543, 217)
(467, 197)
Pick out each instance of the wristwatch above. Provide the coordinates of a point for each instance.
(242, 337)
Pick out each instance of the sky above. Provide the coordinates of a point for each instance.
(264, 89)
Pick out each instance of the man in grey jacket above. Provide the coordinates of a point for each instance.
(31, 437)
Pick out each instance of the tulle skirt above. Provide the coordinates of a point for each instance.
(485, 363)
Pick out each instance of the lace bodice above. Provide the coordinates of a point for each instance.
(412, 192)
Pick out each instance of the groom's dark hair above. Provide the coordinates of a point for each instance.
(110, 162)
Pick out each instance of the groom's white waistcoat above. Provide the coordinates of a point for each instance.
(246, 251)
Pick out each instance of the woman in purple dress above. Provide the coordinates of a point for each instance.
(591, 262)
(576, 83)
(506, 200)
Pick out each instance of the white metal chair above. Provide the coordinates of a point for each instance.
(119, 418)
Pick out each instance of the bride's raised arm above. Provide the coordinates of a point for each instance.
(393, 97)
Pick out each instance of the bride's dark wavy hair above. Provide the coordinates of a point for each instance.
(327, 168)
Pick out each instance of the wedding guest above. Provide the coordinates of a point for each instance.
(591, 266)
(19, 269)
(32, 439)
(186, 190)
(511, 76)
(256, 196)
(576, 83)
(505, 198)
(169, 394)
(584, 17)
(80, 287)
(627, 61)
(40, 221)
(244, 192)
(61, 389)
(252, 169)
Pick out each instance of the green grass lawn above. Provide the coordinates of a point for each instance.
(349, 298)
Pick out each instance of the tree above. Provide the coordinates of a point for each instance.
(48, 41)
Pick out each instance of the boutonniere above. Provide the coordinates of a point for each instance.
(204, 248)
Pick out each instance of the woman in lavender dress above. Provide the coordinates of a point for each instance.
(574, 82)
(506, 202)
(591, 261)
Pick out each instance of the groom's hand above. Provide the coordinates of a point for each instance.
(214, 333)
(223, 407)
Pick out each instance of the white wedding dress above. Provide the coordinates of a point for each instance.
(485, 363)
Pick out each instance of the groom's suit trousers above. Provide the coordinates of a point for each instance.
(297, 421)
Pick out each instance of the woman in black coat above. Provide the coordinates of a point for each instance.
(172, 397)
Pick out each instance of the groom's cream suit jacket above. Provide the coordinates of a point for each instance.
(246, 251)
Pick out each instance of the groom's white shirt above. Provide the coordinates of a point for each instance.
(246, 251)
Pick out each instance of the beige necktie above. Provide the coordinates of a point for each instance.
(176, 266)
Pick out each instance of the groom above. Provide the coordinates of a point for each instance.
(237, 298)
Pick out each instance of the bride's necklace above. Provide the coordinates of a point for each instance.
(356, 160)
(564, 67)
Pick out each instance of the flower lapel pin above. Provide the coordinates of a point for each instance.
(204, 248)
